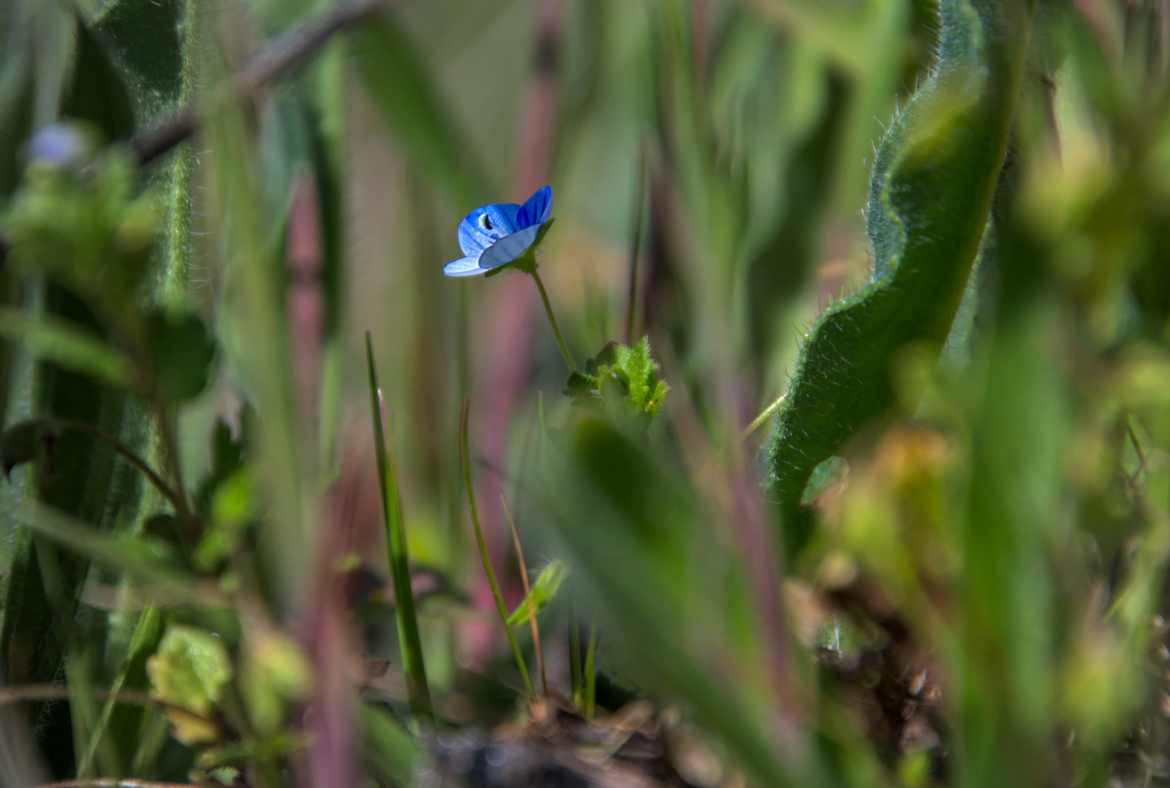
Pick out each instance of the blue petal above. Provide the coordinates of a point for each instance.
(537, 208)
(485, 225)
(60, 144)
(464, 266)
(509, 248)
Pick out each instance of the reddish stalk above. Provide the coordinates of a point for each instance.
(523, 565)
(306, 306)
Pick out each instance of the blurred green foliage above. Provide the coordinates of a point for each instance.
(945, 567)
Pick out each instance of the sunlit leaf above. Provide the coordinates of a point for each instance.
(190, 669)
(544, 590)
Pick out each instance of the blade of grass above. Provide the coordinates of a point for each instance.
(58, 340)
(408, 638)
(147, 631)
(501, 608)
(123, 553)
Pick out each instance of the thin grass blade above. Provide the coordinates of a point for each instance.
(408, 638)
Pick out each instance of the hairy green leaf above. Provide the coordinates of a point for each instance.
(934, 177)
(98, 93)
(623, 379)
(145, 38)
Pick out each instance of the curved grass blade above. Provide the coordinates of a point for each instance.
(71, 346)
(121, 552)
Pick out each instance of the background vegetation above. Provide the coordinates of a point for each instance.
(882, 498)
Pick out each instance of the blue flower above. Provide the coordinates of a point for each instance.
(493, 236)
(61, 145)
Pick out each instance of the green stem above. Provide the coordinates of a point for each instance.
(501, 608)
(552, 319)
(129, 455)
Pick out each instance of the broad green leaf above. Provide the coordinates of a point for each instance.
(930, 197)
(35, 74)
(159, 44)
(87, 484)
(98, 94)
(145, 38)
(181, 350)
(191, 669)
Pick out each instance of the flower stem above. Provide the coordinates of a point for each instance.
(501, 608)
(552, 319)
(172, 494)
